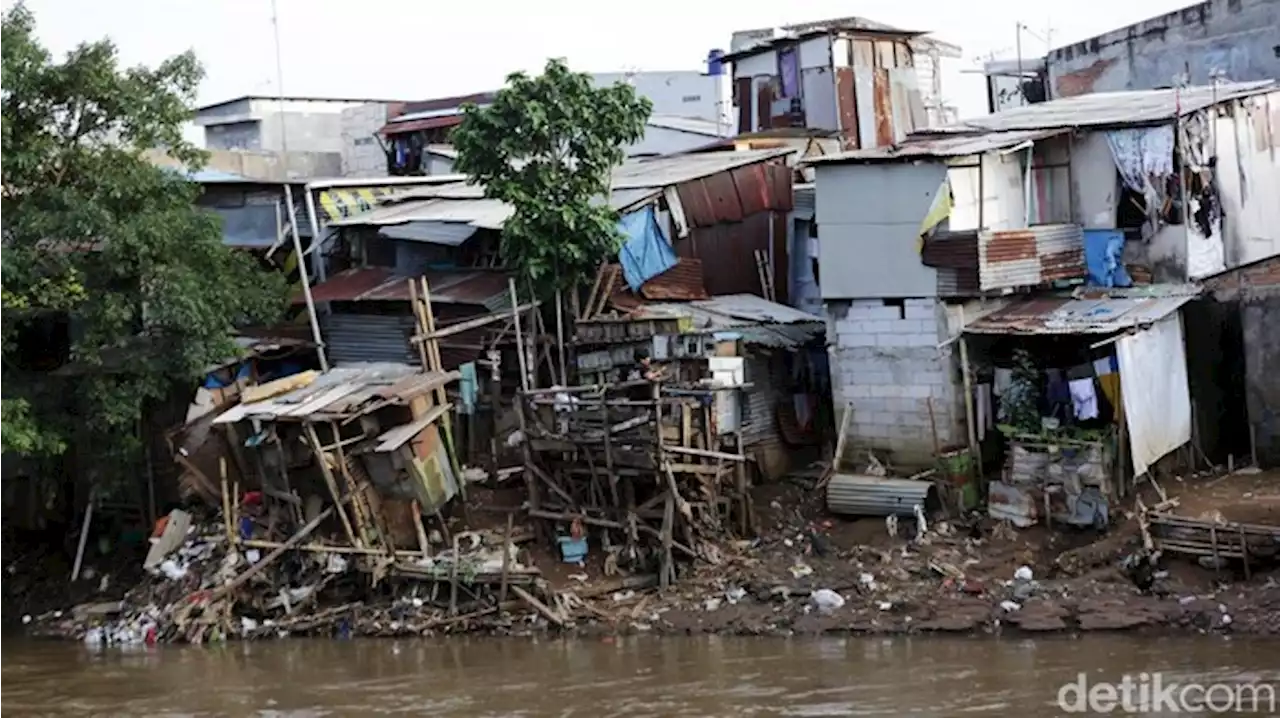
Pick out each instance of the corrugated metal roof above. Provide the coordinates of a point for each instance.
(733, 188)
(924, 146)
(1087, 311)
(476, 287)
(692, 125)
(671, 170)
(342, 391)
(759, 321)
(1111, 109)
(449, 234)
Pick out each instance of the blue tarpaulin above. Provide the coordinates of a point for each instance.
(1103, 258)
(646, 251)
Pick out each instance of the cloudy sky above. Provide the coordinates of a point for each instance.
(413, 49)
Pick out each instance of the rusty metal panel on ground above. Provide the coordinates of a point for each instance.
(1031, 256)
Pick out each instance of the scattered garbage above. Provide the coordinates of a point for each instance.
(826, 600)
(800, 570)
(1010, 606)
(1022, 574)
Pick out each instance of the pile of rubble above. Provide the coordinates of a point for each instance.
(204, 586)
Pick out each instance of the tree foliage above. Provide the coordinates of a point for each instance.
(547, 146)
(105, 249)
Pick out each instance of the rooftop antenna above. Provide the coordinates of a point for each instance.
(288, 198)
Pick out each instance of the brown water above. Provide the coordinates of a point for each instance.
(627, 677)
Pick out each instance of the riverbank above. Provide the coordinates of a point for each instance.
(964, 575)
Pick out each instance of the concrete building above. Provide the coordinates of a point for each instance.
(678, 93)
(260, 123)
(1023, 197)
(1216, 40)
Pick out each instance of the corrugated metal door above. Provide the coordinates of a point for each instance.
(761, 422)
(352, 338)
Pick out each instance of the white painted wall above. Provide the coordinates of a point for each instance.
(1248, 150)
(683, 93)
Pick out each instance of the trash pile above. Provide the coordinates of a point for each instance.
(203, 585)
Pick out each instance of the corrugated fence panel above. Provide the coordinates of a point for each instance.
(353, 338)
(1031, 256)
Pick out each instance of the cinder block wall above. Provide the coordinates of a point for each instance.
(886, 361)
(362, 156)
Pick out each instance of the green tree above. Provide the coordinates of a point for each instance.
(106, 250)
(547, 146)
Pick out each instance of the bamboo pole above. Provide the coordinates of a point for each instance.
(524, 363)
(332, 483)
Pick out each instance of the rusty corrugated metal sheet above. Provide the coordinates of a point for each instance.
(1030, 257)
(683, 282)
(727, 252)
(847, 105)
(383, 284)
(722, 192)
(883, 90)
(348, 285)
(957, 250)
(753, 188)
(780, 196)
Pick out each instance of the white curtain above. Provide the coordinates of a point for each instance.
(1153, 384)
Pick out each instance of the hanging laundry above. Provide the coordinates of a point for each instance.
(1105, 366)
(1057, 391)
(1084, 399)
(1110, 384)
(983, 410)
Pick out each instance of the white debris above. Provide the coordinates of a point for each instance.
(734, 594)
(800, 570)
(891, 525)
(867, 581)
(26, 619)
(248, 625)
(1010, 606)
(711, 604)
(253, 555)
(337, 564)
(173, 570)
(922, 526)
(1022, 574)
(826, 600)
(884, 605)
(624, 595)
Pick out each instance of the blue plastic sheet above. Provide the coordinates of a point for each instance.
(1104, 258)
(646, 252)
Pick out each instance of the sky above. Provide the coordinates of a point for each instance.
(419, 49)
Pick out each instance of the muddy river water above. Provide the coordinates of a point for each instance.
(635, 676)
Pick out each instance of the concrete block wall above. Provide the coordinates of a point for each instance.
(886, 362)
(362, 156)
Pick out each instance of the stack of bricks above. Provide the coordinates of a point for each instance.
(886, 362)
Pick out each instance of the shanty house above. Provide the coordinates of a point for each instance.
(1113, 189)
(728, 206)
(852, 76)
